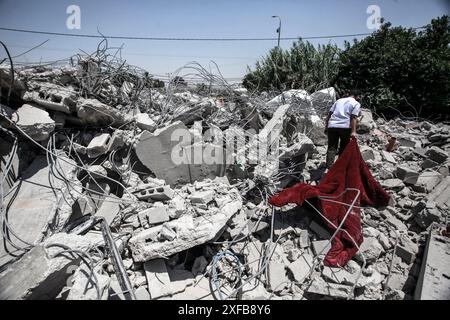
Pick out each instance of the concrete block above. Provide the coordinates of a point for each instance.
(407, 175)
(437, 154)
(405, 253)
(98, 145)
(202, 197)
(319, 286)
(157, 277)
(93, 112)
(301, 267)
(144, 122)
(162, 193)
(392, 184)
(428, 163)
(156, 215)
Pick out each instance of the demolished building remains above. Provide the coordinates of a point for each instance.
(101, 202)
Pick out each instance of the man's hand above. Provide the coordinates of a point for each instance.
(353, 134)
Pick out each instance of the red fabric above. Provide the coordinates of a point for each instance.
(349, 171)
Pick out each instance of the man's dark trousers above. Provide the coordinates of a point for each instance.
(337, 138)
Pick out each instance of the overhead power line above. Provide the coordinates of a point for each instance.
(185, 39)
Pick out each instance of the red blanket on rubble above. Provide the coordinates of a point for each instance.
(349, 171)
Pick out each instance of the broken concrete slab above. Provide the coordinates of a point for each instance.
(98, 145)
(321, 247)
(39, 202)
(434, 280)
(427, 181)
(93, 112)
(323, 99)
(202, 196)
(85, 288)
(34, 121)
(319, 286)
(51, 96)
(163, 281)
(441, 194)
(155, 150)
(41, 273)
(276, 276)
(366, 122)
(157, 277)
(339, 275)
(392, 184)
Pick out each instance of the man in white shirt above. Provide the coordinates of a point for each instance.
(340, 125)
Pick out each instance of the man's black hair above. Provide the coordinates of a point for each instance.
(355, 93)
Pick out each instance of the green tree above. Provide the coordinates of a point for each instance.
(400, 71)
(303, 66)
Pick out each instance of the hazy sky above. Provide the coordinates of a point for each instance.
(196, 18)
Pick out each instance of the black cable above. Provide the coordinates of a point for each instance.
(184, 39)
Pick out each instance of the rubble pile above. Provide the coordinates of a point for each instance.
(96, 206)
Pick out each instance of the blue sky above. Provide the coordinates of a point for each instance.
(197, 18)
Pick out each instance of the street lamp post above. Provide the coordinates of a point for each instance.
(278, 30)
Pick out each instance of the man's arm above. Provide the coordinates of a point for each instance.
(353, 125)
(326, 121)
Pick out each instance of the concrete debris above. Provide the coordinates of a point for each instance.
(320, 287)
(301, 267)
(366, 122)
(34, 121)
(434, 280)
(118, 147)
(98, 145)
(83, 288)
(144, 122)
(160, 160)
(437, 154)
(43, 271)
(34, 209)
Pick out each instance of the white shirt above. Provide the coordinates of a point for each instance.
(341, 110)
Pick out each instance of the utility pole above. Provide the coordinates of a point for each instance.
(278, 53)
(278, 30)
